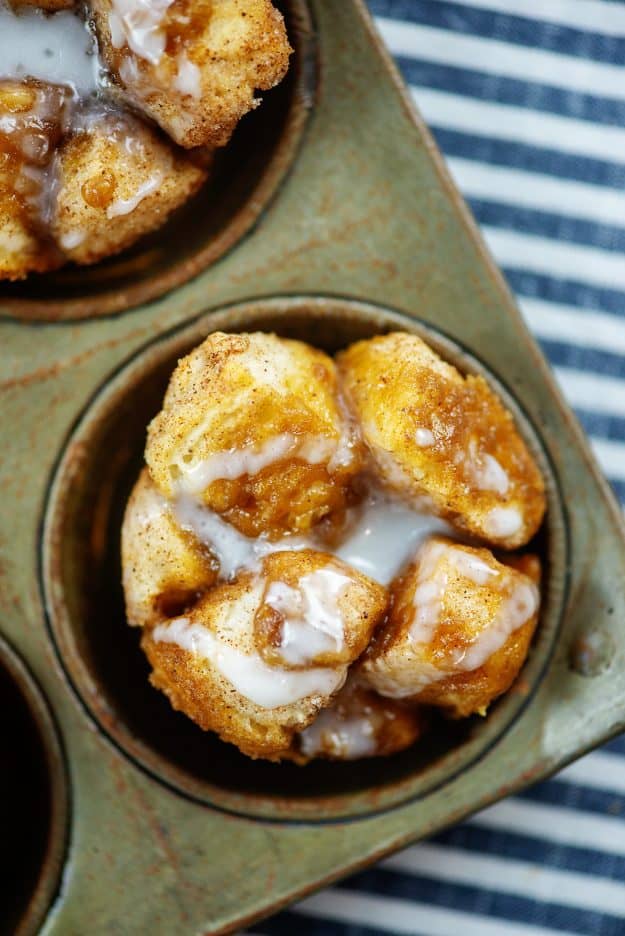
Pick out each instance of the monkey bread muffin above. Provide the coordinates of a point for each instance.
(309, 549)
(110, 113)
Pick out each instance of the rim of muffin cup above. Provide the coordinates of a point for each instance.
(95, 471)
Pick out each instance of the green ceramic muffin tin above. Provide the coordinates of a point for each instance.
(333, 219)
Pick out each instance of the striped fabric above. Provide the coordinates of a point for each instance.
(527, 101)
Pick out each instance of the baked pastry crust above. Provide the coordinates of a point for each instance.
(117, 180)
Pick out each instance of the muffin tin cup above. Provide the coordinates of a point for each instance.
(244, 178)
(364, 232)
(34, 807)
(100, 653)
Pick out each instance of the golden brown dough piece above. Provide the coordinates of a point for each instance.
(164, 568)
(442, 439)
(117, 180)
(308, 586)
(213, 662)
(526, 563)
(359, 723)
(458, 633)
(32, 115)
(193, 65)
(50, 6)
(252, 426)
(21, 251)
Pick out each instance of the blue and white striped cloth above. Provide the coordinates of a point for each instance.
(526, 99)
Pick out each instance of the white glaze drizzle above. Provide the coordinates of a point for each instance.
(57, 48)
(385, 535)
(472, 567)
(233, 550)
(347, 738)
(515, 611)
(492, 476)
(188, 78)
(123, 206)
(267, 686)
(432, 580)
(233, 463)
(312, 619)
(502, 522)
(485, 471)
(250, 460)
(72, 239)
(138, 24)
(424, 437)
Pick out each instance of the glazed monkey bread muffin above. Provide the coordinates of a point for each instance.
(308, 551)
(102, 139)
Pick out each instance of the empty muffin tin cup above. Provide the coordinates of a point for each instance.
(33, 808)
(100, 653)
(245, 176)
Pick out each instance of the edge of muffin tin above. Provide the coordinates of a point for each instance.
(16, 301)
(327, 313)
(30, 912)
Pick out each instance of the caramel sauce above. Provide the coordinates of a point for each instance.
(99, 191)
(291, 499)
(268, 625)
(186, 22)
(32, 118)
(16, 99)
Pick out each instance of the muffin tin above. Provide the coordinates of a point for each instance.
(340, 223)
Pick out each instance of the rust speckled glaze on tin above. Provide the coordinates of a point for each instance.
(163, 830)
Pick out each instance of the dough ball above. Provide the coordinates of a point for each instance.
(194, 66)
(359, 723)
(164, 568)
(219, 667)
(117, 180)
(443, 440)
(252, 426)
(458, 632)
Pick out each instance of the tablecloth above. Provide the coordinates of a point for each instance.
(526, 99)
